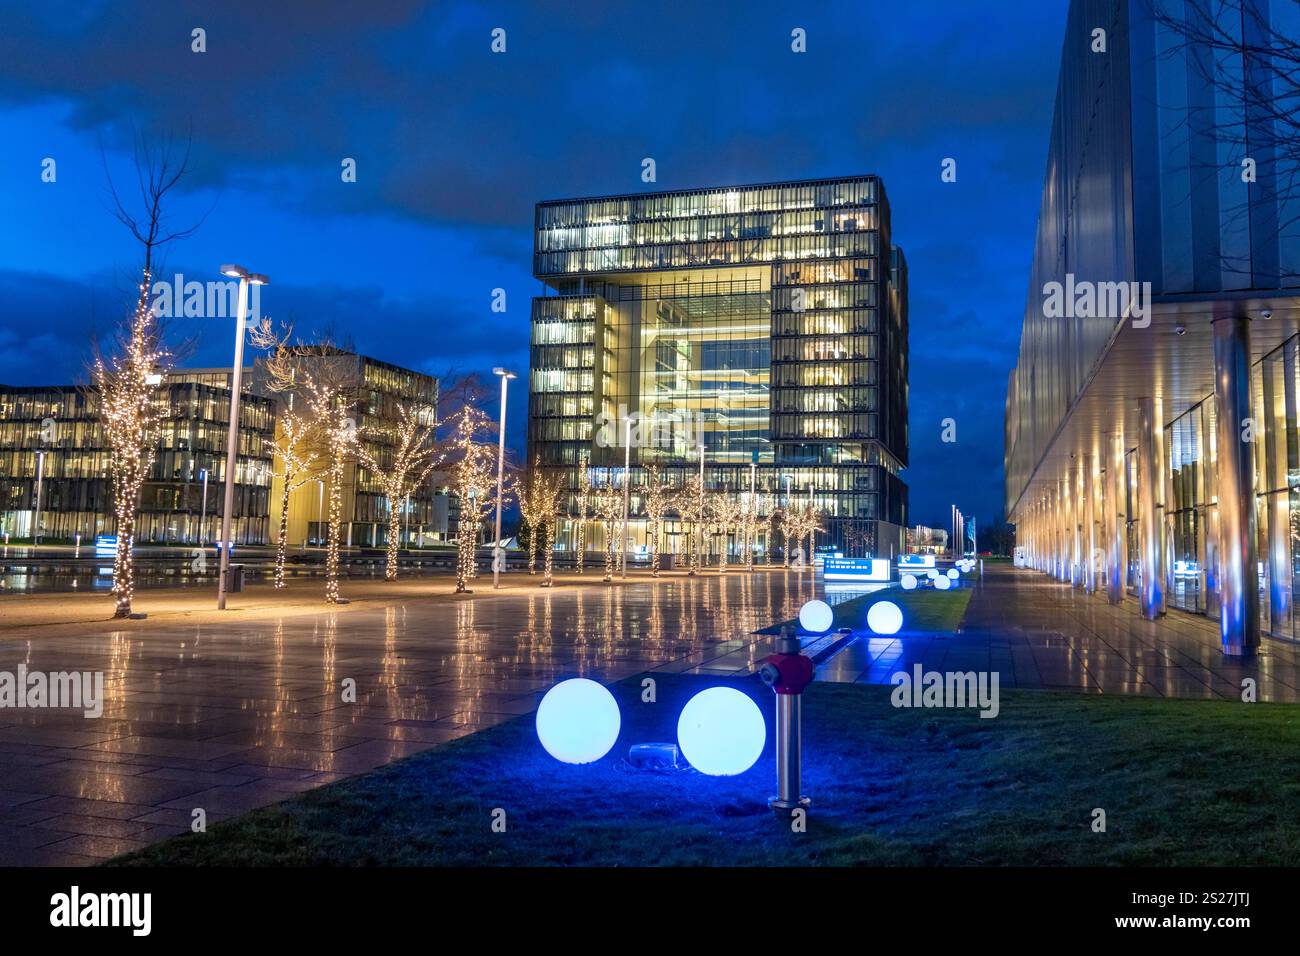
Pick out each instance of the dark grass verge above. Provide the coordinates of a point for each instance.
(1182, 782)
(925, 610)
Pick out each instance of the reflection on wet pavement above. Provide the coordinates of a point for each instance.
(233, 716)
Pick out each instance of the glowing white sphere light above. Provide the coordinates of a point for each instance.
(578, 721)
(932, 574)
(816, 617)
(942, 584)
(884, 617)
(954, 574)
(721, 732)
(908, 581)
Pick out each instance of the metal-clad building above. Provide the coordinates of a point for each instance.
(1151, 428)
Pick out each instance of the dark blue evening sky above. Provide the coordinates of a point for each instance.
(454, 145)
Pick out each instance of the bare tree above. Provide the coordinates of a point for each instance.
(470, 459)
(326, 378)
(539, 501)
(692, 509)
(408, 450)
(609, 508)
(1248, 53)
(584, 513)
(658, 499)
(724, 514)
(129, 378)
(293, 447)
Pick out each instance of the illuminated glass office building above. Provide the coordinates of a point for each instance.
(1152, 449)
(767, 324)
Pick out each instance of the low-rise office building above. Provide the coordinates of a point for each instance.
(51, 440)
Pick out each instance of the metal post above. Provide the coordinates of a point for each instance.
(627, 485)
(1150, 596)
(501, 467)
(40, 480)
(1116, 525)
(203, 514)
(232, 441)
(1239, 591)
(1089, 527)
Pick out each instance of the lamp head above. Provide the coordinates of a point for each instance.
(234, 271)
(256, 278)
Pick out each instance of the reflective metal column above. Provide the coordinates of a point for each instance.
(1090, 557)
(1238, 586)
(1209, 510)
(1150, 594)
(1116, 528)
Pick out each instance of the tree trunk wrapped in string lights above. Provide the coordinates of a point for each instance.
(724, 514)
(692, 510)
(658, 498)
(536, 505)
(408, 439)
(132, 411)
(292, 447)
(609, 508)
(539, 502)
(471, 457)
(327, 380)
(129, 380)
(584, 513)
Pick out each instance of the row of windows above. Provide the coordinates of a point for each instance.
(847, 295)
(817, 273)
(550, 331)
(843, 322)
(837, 373)
(859, 426)
(825, 400)
(830, 348)
(699, 254)
(706, 202)
(726, 227)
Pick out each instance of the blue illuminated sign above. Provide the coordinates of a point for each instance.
(856, 569)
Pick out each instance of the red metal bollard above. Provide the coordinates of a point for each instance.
(787, 672)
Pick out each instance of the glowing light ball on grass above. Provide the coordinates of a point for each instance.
(932, 574)
(954, 574)
(908, 581)
(578, 721)
(942, 583)
(721, 732)
(884, 617)
(816, 617)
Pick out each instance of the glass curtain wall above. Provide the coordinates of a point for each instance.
(1186, 454)
(1277, 462)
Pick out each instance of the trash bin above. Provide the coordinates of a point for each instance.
(234, 578)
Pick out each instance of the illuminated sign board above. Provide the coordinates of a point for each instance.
(908, 562)
(856, 569)
(106, 545)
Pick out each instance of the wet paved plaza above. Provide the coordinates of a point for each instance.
(234, 716)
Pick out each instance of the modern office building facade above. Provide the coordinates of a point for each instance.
(53, 433)
(1152, 453)
(374, 388)
(766, 323)
(52, 436)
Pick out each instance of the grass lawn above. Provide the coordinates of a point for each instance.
(925, 610)
(1182, 783)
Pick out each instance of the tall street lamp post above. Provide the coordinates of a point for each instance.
(505, 377)
(246, 279)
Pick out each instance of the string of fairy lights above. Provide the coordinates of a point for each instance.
(128, 387)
